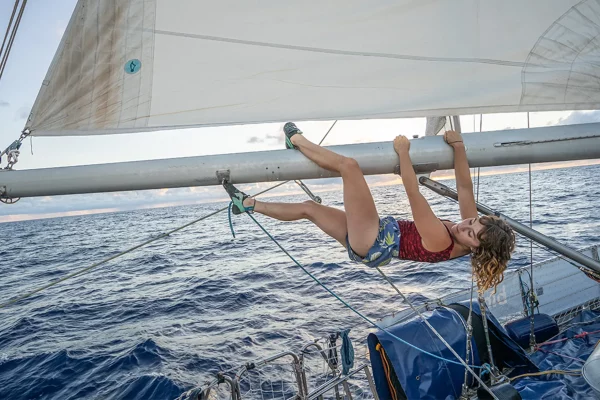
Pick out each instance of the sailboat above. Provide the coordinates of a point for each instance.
(130, 66)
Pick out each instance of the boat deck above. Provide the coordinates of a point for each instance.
(568, 351)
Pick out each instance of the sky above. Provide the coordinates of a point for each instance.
(41, 29)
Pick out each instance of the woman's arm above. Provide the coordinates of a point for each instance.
(464, 184)
(432, 230)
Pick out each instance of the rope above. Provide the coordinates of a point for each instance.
(93, 266)
(485, 369)
(229, 217)
(576, 372)
(578, 336)
(316, 280)
(560, 355)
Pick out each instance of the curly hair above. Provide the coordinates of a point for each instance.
(489, 259)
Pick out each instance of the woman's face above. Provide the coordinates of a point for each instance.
(465, 232)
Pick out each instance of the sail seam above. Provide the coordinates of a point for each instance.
(127, 34)
(95, 61)
(343, 52)
(573, 63)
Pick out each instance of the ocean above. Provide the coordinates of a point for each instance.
(167, 317)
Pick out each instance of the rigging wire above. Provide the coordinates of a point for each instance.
(329, 130)
(10, 21)
(415, 310)
(85, 270)
(13, 34)
(478, 168)
(460, 362)
(493, 371)
(532, 299)
(465, 387)
(9, 37)
(90, 268)
(435, 332)
(530, 216)
(95, 265)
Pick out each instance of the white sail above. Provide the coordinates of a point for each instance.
(141, 65)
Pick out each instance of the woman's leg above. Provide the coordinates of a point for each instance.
(362, 219)
(330, 220)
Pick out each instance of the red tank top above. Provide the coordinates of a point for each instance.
(411, 245)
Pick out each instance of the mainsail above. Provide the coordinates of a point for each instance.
(142, 65)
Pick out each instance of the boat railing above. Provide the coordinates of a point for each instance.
(314, 372)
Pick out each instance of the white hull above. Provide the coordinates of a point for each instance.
(561, 288)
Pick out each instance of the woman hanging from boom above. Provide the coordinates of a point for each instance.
(375, 241)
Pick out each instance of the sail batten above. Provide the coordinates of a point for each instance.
(144, 65)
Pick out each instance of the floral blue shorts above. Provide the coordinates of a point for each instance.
(386, 246)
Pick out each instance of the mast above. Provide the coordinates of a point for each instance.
(508, 147)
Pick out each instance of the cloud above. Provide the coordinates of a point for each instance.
(269, 136)
(278, 138)
(255, 139)
(4, 103)
(580, 117)
(27, 217)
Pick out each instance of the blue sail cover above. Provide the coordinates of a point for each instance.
(506, 352)
(420, 375)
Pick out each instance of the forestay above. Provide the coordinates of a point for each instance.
(141, 65)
